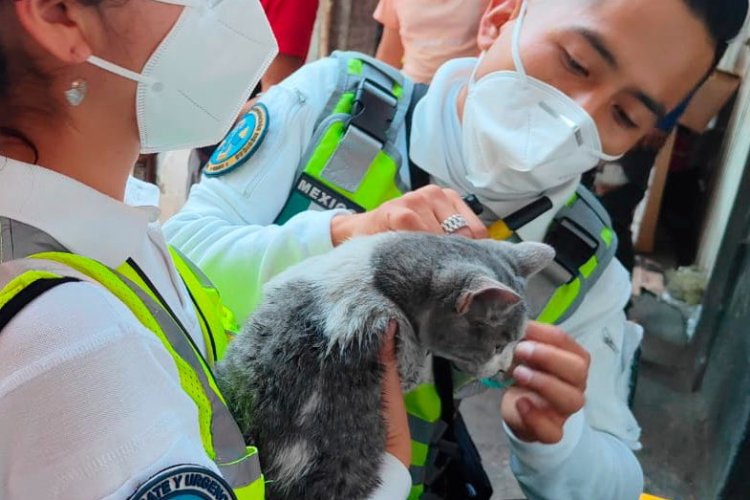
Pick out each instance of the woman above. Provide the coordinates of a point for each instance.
(105, 390)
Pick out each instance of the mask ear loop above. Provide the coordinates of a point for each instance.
(515, 49)
(120, 71)
(516, 42)
(473, 77)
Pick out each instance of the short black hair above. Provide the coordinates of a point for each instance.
(723, 18)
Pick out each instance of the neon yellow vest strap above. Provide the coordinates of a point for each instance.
(423, 410)
(352, 161)
(221, 437)
(585, 245)
(217, 321)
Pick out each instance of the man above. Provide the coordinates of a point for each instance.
(581, 82)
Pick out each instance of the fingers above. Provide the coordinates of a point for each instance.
(568, 366)
(554, 368)
(434, 205)
(406, 219)
(544, 426)
(423, 210)
(476, 229)
(553, 335)
(431, 205)
(564, 398)
(550, 384)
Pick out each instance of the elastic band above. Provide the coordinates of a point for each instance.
(119, 70)
(196, 4)
(516, 42)
(472, 78)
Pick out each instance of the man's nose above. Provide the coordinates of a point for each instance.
(596, 104)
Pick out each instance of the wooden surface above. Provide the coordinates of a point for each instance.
(347, 25)
(708, 101)
(647, 233)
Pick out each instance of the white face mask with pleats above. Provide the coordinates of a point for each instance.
(522, 134)
(193, 86)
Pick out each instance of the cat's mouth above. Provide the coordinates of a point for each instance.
(479, 369)
(499, 363)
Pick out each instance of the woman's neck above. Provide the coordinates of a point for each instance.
(95, 158)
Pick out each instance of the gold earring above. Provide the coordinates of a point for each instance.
(77, 92)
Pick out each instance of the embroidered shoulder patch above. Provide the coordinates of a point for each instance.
(185, 482)
(241, 143)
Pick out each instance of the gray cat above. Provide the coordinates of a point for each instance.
(303, 378)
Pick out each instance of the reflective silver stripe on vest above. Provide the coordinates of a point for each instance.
(349, 164)
(202, 278)
(418, 474)
(421, 430)
(238, 469)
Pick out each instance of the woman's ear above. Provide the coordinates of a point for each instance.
(497, 14)
(57, 26)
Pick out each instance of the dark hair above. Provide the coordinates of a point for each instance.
(723, 18)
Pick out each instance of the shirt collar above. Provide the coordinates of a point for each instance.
(83, 220)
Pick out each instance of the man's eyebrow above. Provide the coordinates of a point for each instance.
(602, 48)
(655, 107)
(598, 43)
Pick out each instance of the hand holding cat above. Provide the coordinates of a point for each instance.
(422, 210)
(550, 384)
(398, 438)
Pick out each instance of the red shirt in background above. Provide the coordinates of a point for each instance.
(292, 22)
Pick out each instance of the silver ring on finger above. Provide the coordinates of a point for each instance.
(454, 223)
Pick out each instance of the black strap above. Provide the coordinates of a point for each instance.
(27, 295)
(419, 178)
(213, 352)
(161, 301)
(443, 375)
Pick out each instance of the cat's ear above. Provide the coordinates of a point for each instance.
(487, 300)
(532, 257)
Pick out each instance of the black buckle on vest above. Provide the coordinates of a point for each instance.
(573, 245)
(374, 109)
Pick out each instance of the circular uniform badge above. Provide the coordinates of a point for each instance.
(241, 143)
(185, 482)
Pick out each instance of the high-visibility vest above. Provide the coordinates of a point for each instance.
(24, 279)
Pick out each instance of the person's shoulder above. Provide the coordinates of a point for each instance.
(102, 388)
(317, 77)
(64, 323)
(306, 91)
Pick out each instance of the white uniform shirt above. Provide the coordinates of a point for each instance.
(226, 227)
(90, 400)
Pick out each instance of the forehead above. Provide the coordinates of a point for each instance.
(660, 46)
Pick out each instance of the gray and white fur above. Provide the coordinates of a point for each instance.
(304, 379)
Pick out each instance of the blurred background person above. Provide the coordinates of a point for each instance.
(292, 22)
(420, 35)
